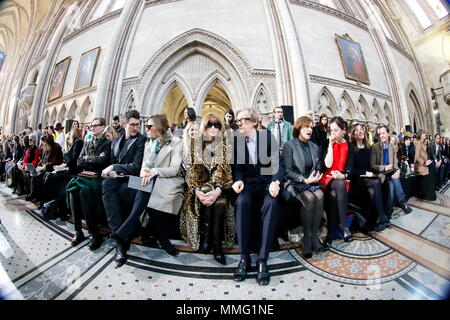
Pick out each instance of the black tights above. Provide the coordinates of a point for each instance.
(337, 199)
(158, 227)
(213, 221)
(376, 199)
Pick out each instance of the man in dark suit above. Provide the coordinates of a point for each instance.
(127, 152)
(408, 149)
(257, 174)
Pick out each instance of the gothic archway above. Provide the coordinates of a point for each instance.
(199, 58)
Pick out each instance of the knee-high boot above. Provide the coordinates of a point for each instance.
(218, 222)
(306, 215)
(206, 221)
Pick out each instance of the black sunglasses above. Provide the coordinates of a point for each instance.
(217, 125)
(149, 126)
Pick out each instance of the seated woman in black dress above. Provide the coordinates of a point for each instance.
(363, 185)
(301, 158)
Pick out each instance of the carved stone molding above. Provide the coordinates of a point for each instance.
(330, 11)
(72, 96)
(152, 3)
(400, 49)
(204, 41)
(110, 16)
(348, 86)
(202, 36)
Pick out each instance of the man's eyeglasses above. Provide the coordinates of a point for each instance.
(216, 125)
(242, 120)
(96, 125)
(149, 126)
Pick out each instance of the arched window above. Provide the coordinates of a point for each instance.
(106, 6)
(382, 21)
(420, 13)
(438, 8)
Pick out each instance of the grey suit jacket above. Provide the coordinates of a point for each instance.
(294, 160)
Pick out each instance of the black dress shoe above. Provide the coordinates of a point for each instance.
(241, 271)
(326, 245)
(78, 238)
(121, 254)
(263, 277)
(218, 256)
(405, 207)
(96, 242)
(347, 235)
(307, 256)
(379, 227)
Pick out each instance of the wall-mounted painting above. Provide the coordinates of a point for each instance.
(59, 77)
(2, 59)
(86, 69)
(352, 59)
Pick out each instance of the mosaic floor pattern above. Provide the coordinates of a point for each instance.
(37, 262)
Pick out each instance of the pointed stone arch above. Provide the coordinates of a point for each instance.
(71, 114)
(86, 113)
(346, 106)
(226, 58)
(363, 109)
(388, 115)
(62, 114)
(416, 116)
(130, 102)
(325, 103)
(53, 116)
(214, 79)
(262, 100)
(376, 110)
(174, 102)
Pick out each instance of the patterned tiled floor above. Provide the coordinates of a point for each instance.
(38, 263)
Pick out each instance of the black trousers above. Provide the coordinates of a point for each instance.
(130, 225)
(80, 208)
(117, 199)
(256, 198)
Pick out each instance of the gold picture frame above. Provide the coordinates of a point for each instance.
(352, 59)
(86, 69)
(59, 79)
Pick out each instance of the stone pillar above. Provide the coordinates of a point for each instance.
(291, 76)
(109, 67)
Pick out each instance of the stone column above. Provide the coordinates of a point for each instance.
(109, 67)
(291, 75)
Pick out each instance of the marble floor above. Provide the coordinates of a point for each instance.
(408, 261)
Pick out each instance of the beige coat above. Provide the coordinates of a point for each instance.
(420, 157)
(167, 194)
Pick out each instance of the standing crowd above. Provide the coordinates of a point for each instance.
(214, 182)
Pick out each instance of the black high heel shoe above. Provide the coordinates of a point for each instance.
(219, 256)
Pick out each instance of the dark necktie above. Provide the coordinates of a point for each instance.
(279, 133)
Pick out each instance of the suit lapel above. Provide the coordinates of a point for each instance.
(164, 152)
(126, 148)
(298, 158)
